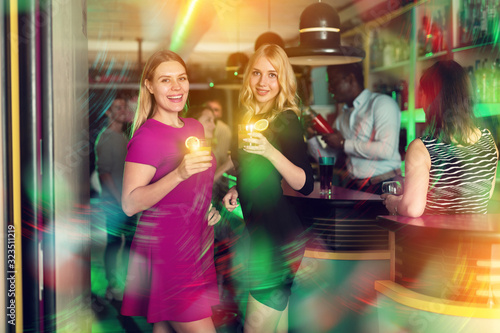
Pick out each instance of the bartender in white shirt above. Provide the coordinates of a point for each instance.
(367, 130)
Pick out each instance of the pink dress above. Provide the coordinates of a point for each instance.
(171, 273)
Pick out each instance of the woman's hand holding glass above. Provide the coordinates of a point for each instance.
(258, 144)
(391, 202)
(194, 162)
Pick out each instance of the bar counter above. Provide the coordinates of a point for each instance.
(347, 252)
(342, 224)
(444, 268)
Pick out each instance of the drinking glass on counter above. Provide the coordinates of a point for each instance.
(393, 187)
(326, 164)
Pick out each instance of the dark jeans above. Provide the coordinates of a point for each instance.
(117, 225)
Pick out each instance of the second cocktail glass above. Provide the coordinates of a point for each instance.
(326, 164)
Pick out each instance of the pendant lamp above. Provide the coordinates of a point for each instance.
(235, 68)
(320, 39)
(269, 38)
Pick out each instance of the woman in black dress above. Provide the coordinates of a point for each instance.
(277, 153)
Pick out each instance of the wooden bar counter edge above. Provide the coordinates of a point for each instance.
(469, 230)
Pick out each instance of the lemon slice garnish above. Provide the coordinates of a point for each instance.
(261, 125)
(192, 143)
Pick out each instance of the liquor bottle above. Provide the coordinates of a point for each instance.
(468, 21)
(437, 33)
(495, 81)
(478, 77)
(388, 54)
(463, 24)
(427, 24)
(319, 124)
(422, 36)
(472, 78)
(485, 82)
(481, 75)
(375, 50)
(445, 27)
(493, 19)
(483, 17)
(403, 88)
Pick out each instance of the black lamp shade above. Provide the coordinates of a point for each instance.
(235, 68)
(320, 39)
(235, 65)
(269, 38)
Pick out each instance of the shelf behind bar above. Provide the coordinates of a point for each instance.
(481, 110)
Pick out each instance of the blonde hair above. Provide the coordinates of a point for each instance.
(287, 96)
(146, 102)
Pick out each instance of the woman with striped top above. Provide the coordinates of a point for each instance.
(452, 168)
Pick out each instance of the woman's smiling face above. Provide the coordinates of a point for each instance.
(170, 86)
(264, 81)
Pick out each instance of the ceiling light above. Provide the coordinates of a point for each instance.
(269, 38)
(235, 68)
(320, 39)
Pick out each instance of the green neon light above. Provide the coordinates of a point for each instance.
(178, 34)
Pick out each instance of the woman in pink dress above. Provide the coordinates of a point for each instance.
(171, 277)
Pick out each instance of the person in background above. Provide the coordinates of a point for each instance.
(226, 232)
(222, 134)
(451, 169)
(367, 130)
(111, 149)
(277, 153)
(171, 276)
(206, 116)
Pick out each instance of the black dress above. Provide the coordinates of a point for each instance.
(277, 240)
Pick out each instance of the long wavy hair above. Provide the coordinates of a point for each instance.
(146, 103)
(448, 92)
(287, 96)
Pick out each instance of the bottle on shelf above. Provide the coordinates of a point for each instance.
(403, 89)
(398, 91)
(388, 58)
(375, 50)
(472, 78)
(482, 80)
(437, 33)
(483, 19)
(495, 81)
(493, 20)
(465, 22)
(425, 37)
(422, 36)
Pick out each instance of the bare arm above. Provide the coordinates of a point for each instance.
(107, 181)
(417, 167)
(494, 178)
(138, 194)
